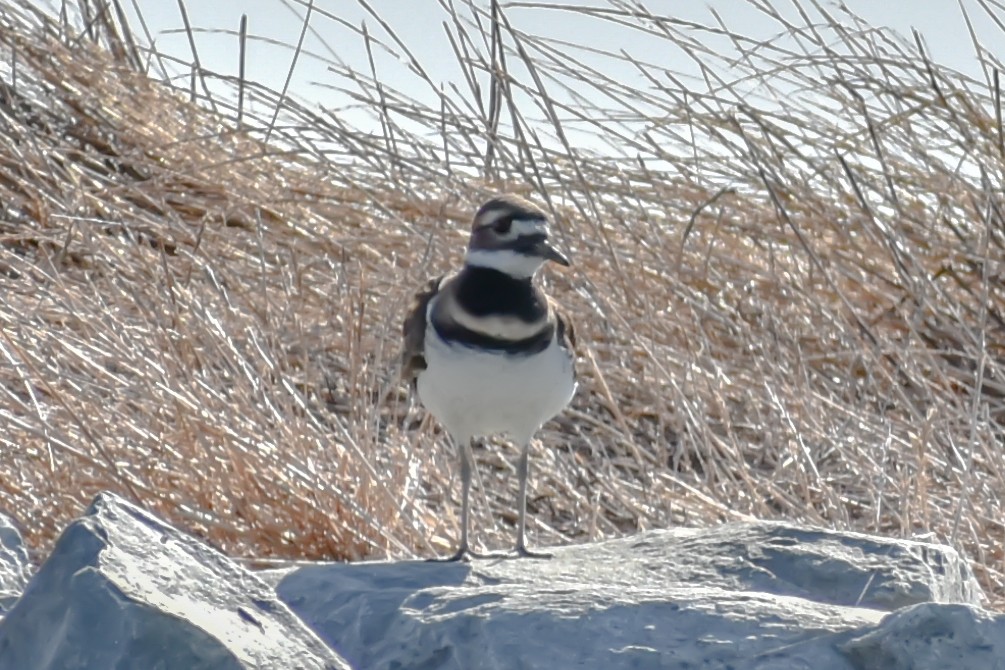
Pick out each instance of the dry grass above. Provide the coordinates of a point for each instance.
(784, 313)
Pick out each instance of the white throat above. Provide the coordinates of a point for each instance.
(505, 260)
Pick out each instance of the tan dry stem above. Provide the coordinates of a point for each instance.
(789, 313)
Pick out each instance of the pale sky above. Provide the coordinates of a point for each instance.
(275, 26)
(419, 24)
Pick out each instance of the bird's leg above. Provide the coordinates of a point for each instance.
(522, 470)
(464, 451)
(466, 466)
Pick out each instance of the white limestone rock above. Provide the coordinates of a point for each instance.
(741, 596)
(122, 589)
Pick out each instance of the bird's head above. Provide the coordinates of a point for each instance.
(510, 234)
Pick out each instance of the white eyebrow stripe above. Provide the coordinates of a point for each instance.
(530, 226)
(490, 217)
(521, 223)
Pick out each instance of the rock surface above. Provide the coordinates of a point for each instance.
(739, 596)
(15, 568)
(931, 637)
(122, 589)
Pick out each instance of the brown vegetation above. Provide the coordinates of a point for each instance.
(784, 313)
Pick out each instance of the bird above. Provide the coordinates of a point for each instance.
(487, 351)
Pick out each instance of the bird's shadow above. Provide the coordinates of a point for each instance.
(367, 596)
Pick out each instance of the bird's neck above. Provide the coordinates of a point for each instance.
(507, 261)
(483, 291)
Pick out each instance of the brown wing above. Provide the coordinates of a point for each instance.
(566, 331)
(413, 357)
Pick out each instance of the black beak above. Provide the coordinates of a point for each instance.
(537, 245)
(550, 253)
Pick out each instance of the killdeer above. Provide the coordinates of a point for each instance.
(486, 349)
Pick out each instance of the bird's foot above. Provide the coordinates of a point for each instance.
(522, 551)
(462, 554)
(465, 553)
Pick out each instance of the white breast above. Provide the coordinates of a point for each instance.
(472, 392)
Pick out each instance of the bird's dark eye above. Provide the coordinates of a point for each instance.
(502, 226)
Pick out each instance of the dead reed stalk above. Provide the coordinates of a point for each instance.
(788, 310)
